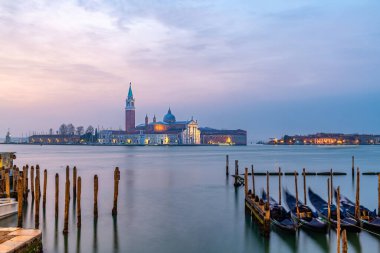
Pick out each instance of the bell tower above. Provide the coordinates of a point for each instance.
(130, 111)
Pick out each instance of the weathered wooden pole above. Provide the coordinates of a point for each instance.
(37, 203)
(236, 183)
(378, 194)
(96, 196)
(353, 166)
(44, 191)
(7, 185)
(15, 179)
(338, 219)
(253, 181)
(67, 202)
(304, 186)
(20, 193)
(331, 186)
(344, 241)
(267, 188)
(32, 181)
(56, 194)
(296, 187)
(75, 182)
(357, 199)
(68, 177)
(37, 175)
(24, 182)
(328, 200)
(79, 215)
(116, 190)
(26, 185)
(246, 181)
(279, 185)
(227, 164)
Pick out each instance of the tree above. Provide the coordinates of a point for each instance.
(70, 129)
(90, 130)
(63, 129)
(80, 130)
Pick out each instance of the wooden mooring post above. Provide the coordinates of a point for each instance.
(236, 183)
(68, 177)
(357, 199)
(79, 211)
(279, 185)
(304, 186)
(378, 194)
(328, 200)
(116, 177)
(74, 182)
(26, 185)
(253, 181)
(56, 194)
(331, 186)
(267, 189)
(24, 182)
(353, 166)
(20, 193)
(96, 196)
(44, 190)
(7, 184)
(227, 164)
(37, 203)
(245, 182)
(32, 181)
(67, 202)
(296, 187)
(338, 219)
(37, 175)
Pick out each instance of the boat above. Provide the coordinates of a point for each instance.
(8, 206)
(368, 218)
(347, 223)
(279, 216)
(307, 218)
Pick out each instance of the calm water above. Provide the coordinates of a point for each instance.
(177, 199)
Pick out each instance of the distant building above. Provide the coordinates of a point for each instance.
(54, 139)
(8, 138)
(169, 131)
(328, 139)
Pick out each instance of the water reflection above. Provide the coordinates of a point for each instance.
(95, 240)
(289, 239)
(66, 243)
(115, 234)
(56, 235)
(320, 239)
(353, 239)
(78, 239)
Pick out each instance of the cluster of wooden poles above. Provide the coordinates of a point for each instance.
(20, 186)
(341, 235)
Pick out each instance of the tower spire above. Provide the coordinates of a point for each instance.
(130, 93)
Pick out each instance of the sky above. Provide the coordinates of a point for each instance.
(269, 67)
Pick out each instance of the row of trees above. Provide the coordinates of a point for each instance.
(70, 129)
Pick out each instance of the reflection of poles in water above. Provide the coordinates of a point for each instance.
(56, 235)
(95, 243)
(115, 235)
(79, 213)
(66, 243)
(78, 239)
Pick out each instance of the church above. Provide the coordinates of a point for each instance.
(169, 131)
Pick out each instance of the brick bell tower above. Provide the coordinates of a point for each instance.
(130, 111)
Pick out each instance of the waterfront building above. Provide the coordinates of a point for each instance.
(54, 139)
(169, 131)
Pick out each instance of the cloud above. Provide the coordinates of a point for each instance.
(183, 52)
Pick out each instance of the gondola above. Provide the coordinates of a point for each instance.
(368, 218)
(279, 216)
(307, 218)
(347, 223)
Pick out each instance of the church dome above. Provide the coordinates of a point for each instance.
(169, 117)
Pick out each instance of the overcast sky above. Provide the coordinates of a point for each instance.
(270, 67)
